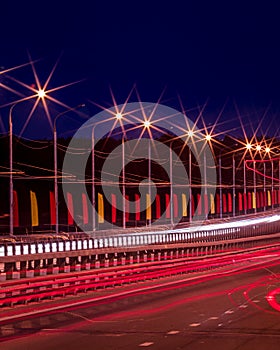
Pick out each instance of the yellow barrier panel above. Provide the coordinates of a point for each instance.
(254, 204)
(100, 209)
(34, 209)
(148, 207)
(184, 205)
(212, 204)
(268, 198)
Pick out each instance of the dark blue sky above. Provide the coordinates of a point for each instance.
(213, 51)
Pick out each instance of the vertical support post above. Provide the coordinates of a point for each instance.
(11, 172)
(171, 184)
(264, 183)
(190, 185)
(221, 192)
(93, 180)
(272, 184)
(123, 182)
(233, 187)
(205, 178)
(149, 176)
(245, 189)
(255, 186)
(55, 178)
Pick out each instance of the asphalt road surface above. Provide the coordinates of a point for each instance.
(235, 310)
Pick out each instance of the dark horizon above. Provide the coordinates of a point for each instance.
(218, 54)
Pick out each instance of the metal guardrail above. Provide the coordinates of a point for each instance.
(17, 249)
(212, 232)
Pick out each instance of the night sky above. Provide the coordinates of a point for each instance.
(218, 53)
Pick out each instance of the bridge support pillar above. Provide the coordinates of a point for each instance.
(23, 268)
(9, 268)
(72, 263)
(37, 267)
(49, 266)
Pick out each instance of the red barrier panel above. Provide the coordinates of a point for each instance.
(70, 208)
(114, 205)
(85, 209)
(52, 208)
(137, 206)
(199, 204)
(218, 204)
(127, 208)
(249, 201)
(224, 203)
(15, 209)
(158, 209)
(229, 202)
(240, 202)
(167, 205)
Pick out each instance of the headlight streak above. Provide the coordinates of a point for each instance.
(258, 289)
(212, 227)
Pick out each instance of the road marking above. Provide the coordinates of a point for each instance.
(194, 324)
(78, 315)
(213, 318)
(173, 332)
(256, 301)
(146, 344)
(229, 312)
(220, 325)
(243, 306)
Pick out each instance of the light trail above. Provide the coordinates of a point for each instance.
(61, 285)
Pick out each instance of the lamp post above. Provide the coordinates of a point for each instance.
(208, 138)
(123, 183)
(171, 187)
(11, 169)
(245, 190)
(55, 162)
(233, 186)
(118, 116)
(149, 179)
(40, 94)
(248, 148)
(220, 191)
(190, 185)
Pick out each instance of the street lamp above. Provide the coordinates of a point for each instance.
(146, 125)
(248, 148)
(55, 161)
(208, 138)
(11, 168)
(118, 116)
(40, 94)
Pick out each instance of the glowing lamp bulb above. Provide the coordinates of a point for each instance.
(119, 116)
(267, 149)
(258, 148)
(41, 93)
(248, 146)
(190, 133)
(208, 137)
(147, 124)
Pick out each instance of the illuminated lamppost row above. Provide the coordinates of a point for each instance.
(258, 147)
(118, 116)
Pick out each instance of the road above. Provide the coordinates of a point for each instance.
(236, 307)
